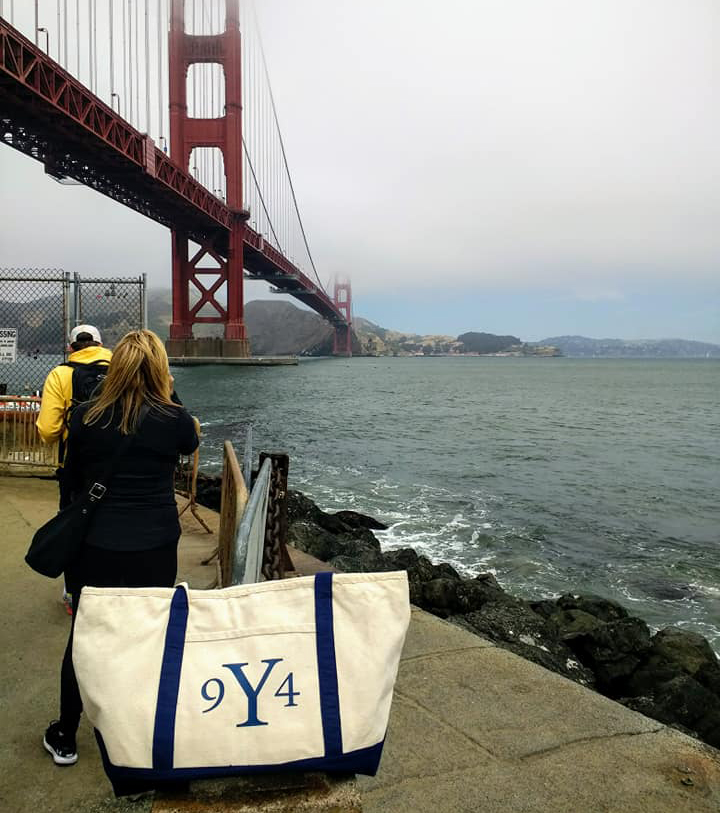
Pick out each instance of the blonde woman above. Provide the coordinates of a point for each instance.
(133, 535)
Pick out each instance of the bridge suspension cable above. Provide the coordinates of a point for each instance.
(282, 144)
(112, 55)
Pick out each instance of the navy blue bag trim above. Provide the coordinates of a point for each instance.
(327, 666)
(364, 761)
(164, 732)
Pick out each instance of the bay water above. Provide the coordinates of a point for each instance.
(556, 475)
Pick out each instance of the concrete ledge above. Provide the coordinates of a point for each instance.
(271, 793)
(252, 361)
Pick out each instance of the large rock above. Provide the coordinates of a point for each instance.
(675, 652)
(568, 623)
(688, 650)
(309, 537)
(513, 625)
(365, 562)
(353, 519)
(613, 651)
(400, 559)
(683, 701)
(603, 608)
(445, 593)
(439, 596)
(301, 507)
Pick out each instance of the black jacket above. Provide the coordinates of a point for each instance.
(138, 512)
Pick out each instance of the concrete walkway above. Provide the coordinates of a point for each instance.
(473, 727)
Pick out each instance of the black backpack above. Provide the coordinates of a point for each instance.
(86, 381)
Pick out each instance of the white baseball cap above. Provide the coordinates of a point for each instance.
(90, 329)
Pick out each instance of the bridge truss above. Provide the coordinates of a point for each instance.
(49, 115)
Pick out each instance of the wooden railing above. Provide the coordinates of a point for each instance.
(21, 450)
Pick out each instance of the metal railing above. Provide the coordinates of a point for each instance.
(21, 450)
(250, 539)
(253, 526)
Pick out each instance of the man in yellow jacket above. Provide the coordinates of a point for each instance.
(57, 394)
(89, 355)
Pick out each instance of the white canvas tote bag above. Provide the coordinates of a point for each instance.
(295, 674)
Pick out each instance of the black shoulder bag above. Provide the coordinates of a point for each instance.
(57, 543)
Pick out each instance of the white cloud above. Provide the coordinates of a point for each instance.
(474, 145)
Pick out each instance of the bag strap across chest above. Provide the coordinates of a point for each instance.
(99, 488)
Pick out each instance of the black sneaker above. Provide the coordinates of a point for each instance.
(61, 746)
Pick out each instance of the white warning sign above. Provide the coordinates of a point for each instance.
(8, 345)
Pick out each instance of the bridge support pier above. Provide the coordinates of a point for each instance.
(208, 270)
(342, 343)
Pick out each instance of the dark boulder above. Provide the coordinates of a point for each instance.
(613, 651)
(331, 523)
(675, 652)
(683, 701)
(300, 507)
(361, 563)
(309, 537)
(445, 571)
(709, 676)
(452, 595)
(422, 571)
(688, 650)
(208, 491)
(353, 519)
(439, 596)
(567, 623)
(544, 607)
(400, 559)
(513, 625)
(603, 608)
(472, 594)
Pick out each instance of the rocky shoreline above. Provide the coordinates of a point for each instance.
(672, 676)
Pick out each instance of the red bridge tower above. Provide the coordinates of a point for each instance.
(226, 134)
(342, 345)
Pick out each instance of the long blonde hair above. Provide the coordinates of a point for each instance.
(138, 374)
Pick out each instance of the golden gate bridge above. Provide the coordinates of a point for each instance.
(167, 108)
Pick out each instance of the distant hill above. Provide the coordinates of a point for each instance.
(583, 347)
(487, 342)
(380, 341)
(278, 327)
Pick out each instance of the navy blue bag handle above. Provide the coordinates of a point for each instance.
(164, 731)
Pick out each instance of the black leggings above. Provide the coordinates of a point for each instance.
(108, 568)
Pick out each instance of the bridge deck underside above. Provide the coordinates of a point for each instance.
(48, 115)
(41, 131)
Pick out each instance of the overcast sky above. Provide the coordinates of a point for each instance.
(534, 167)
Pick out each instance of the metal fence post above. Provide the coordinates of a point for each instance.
(144, 300)
(247, 457)
(67, 327)
(276, 560)
(77, 303)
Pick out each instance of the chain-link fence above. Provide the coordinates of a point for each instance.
(114, 305)
(39, 307)
(34, 324)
